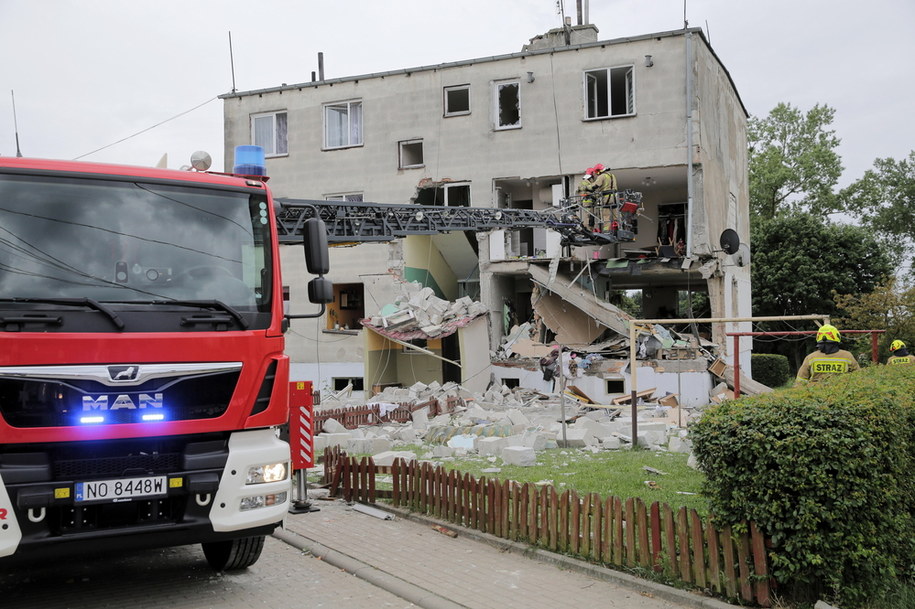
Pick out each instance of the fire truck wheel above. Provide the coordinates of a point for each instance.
(235, 554)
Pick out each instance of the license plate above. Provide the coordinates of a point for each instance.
(122, 489)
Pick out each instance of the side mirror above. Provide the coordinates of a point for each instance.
(317, 258)
(320, 290)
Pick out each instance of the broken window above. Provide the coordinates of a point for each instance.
(447, 195)
(352, 197)
(341, 383)
(457, 100)
(269, 132)
(672, 229)
(411, 154)
(343, 124)
(347, 308)
(609, 92)
(508, 105)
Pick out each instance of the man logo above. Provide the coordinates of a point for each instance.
(122, 402)
(123, 373)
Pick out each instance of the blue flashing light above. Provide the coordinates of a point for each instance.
(157, 416)
(88, 420)
(250, 161)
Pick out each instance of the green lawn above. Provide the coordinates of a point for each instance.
(620, 473)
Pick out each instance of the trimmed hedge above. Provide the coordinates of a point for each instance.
(828, 472)
(770, 369)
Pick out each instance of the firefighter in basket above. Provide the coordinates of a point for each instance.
(585, 199)
(604, 190)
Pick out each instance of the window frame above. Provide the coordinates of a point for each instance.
(497, 87)
(275, 133)
(445, 109)
(608, 92)
(400, 154)
(445, 188)
(349, 104)
(347, 197)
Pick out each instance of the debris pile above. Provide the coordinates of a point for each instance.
(421, 314)
(509, 424)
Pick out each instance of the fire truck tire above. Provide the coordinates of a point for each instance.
(233, 555)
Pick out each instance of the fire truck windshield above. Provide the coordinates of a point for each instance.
(128, 241)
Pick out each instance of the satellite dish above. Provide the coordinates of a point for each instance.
(742, 256)
(730, 241)
(201, 160)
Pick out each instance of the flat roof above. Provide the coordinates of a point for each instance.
(493, 58)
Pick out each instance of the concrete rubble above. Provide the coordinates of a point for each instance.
(420, 310)
(507, 426)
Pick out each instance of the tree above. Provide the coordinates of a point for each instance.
(889, 307)
(885, 197)
(793, 163)
(801, 262)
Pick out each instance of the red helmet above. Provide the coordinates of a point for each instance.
(598, 168)
(589, 171)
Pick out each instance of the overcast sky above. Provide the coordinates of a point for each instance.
(89, 73)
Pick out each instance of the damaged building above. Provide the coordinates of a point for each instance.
(517, 131)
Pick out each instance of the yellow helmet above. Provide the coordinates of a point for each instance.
(828, 333)
(896, 345)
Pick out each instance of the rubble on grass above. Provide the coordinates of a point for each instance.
(511, 425)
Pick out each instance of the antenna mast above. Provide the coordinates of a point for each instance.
(15, 123)
(232, 61)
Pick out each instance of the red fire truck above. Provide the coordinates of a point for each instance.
(142, 373)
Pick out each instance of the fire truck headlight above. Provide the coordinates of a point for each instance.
(271, 472)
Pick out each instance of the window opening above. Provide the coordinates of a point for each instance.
(411, 154)
(340, 383)
(609, 92)
(508, 105)
(347, 308)
(353, 197)
(672, 228)
(269, 132)
(343, 124)
(616, 386)
(457, 100)
(447, 195)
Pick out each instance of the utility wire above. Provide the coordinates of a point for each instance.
(145, 130)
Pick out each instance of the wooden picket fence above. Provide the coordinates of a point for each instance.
(624, 533)
(371, 414)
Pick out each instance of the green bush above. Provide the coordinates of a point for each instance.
(828, 472)
(770, 369)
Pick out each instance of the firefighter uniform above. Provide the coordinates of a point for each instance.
(587, 201)
(604, 189)
(899, 354)
(828, 360)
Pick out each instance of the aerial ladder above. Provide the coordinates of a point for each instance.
(358, 222)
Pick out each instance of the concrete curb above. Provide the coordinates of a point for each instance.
(404, 589)
(642, 586)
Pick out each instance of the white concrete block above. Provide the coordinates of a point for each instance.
(421, 419)
(678, 445)
(335, 439)
(490, 446)
(611, 443)
(575, 437)
(387, 457)
(519, 455)
(517, 417)
(441, 452)
(333, 426)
